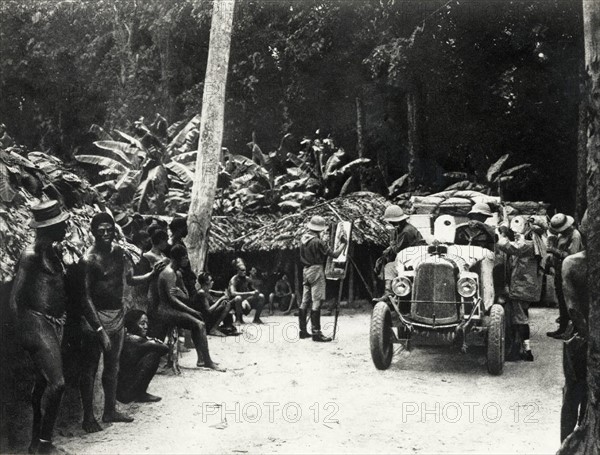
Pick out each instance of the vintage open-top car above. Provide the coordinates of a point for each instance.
(442, 294)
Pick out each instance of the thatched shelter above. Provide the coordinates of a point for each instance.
(364, 209)
(273, 246)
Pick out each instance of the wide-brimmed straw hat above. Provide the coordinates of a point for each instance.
(48, 213)
(561, 222)
(480, 208)
(394, 214)
(317, 223)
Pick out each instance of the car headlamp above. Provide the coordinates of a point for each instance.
(467, 286)
(401, 286)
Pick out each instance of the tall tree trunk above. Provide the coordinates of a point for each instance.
(580, 197)
(211, 132)
(585, 440)
(360, 139)
(413, 106)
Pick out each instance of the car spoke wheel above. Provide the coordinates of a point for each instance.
(381, 336)
(495, 340)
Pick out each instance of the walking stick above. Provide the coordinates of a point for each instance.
(339, 298)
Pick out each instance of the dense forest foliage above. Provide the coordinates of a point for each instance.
(430, 87)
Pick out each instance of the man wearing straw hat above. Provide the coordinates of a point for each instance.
(313, 253)
(37, 303)
(568, 242)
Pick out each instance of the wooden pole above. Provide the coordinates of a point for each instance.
(351, 287)
(211, 132)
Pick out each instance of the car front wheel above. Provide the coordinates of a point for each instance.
(381, 336)
(495, 340)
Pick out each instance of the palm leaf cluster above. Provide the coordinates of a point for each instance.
(151, 170)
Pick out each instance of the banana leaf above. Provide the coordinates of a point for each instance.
(103, 161)
(494, 169)
(132, 140)
(398, 184)
(185, 157)
(100, 132)
(154, 184)
(180, 139)
(174, 128)
(513, 170)
(352, 165)
(7, 193)
(183, 171)
(129, 178)
(346, 187)
(122, 150)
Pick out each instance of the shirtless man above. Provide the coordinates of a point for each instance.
(174, 309)
(574, 275)
(104, 266)
(37, 304)
(214, 311)
(239, 290)
(148, 262)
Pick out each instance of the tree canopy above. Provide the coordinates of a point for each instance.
(494, 77)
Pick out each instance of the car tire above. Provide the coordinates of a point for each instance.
(495, 340)
(381, 336)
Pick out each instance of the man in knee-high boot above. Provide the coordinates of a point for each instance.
(313, 253)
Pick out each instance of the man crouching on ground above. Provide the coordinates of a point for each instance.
(313, 253)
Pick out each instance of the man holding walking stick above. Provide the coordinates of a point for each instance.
(313, 253)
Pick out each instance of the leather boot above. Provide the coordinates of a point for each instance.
(315, 320)
(302, 321)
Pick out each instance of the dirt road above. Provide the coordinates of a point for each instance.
(283, 395)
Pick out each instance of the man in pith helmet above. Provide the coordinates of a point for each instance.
(313, 253)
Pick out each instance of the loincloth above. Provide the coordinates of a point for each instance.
(112, 320)
(32, 326)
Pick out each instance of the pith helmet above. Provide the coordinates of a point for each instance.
(394, 213)
(317, 223)
(561, 222)
(480, 208)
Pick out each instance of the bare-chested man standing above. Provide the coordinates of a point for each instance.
(104, 265)
(38, 305)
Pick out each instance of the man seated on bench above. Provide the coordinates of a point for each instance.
(214, 312)
(174, 310)
(282, 295)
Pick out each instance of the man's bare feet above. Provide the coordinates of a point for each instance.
(211, 365)
(91, 426)
(216, 332)
(148, 398)
(116, 416)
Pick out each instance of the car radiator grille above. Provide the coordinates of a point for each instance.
(434, 294)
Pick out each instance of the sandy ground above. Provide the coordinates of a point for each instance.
(283, 395)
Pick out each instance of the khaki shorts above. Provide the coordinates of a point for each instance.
(313, 284)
